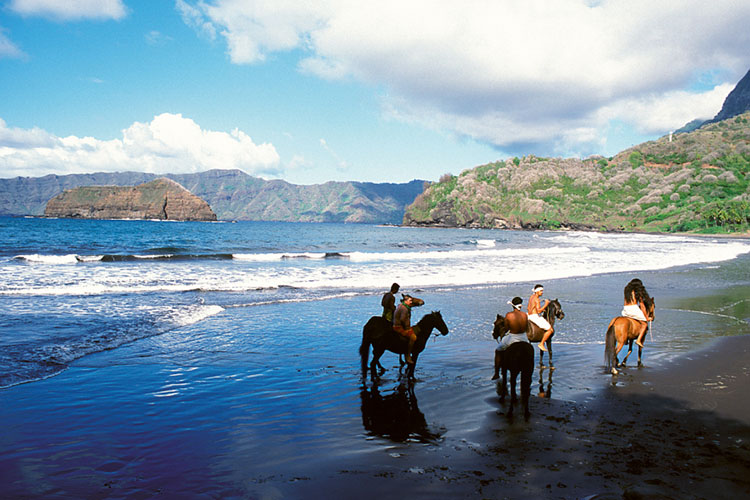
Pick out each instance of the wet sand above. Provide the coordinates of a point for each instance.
(678, 432)
(248, 405)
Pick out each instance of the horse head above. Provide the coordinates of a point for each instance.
(649, 302)
(499, 328)
(557, 311)
(438, 322)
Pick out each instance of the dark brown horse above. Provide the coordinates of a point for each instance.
(518, 357)
(623, 329)
(551, 313)
(379, 333)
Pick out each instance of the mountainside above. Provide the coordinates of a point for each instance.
(159, 199)
(691, 181)
(232, 194)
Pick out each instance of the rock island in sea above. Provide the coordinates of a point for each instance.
(159, 199)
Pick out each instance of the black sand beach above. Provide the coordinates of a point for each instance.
(252, 404)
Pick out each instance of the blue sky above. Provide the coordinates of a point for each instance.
(382, 91)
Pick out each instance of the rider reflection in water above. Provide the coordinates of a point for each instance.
(402, 323)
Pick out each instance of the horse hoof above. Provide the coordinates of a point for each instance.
(614, 371)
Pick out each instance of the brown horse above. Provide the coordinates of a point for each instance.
(620, 330)
(535, 334)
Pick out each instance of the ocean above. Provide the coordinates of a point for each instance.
(140, 359)
(72, 288)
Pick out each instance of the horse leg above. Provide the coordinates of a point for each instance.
(640, 353)
(376, 353)
(513, 396)
(549, 353)
(411, 367)
(620, 345)
(630, 349)
(503, 386)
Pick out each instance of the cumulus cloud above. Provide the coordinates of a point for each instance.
(169, 143)
(70, 10)
(509, 72)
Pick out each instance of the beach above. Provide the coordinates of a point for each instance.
(258, 392)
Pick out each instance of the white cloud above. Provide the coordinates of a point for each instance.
(70, 10)
(8, 48)
(169, 143)
(507, 72)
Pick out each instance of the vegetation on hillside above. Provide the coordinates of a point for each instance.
(697, 181)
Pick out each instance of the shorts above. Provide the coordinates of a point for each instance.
(539, 321)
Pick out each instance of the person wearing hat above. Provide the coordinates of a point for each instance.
(402, 323)
(389, 302)
(516, 322)
(535, 310)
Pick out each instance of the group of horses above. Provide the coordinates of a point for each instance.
(518, 358)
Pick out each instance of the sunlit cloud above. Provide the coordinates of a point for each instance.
(169, 143)
(508, 73)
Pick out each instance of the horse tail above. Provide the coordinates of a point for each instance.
(364, 348)
(609, 346)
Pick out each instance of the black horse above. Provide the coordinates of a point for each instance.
(379, 333)
(534, 333)
(518, 357)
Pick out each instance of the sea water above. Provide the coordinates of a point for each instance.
(72, 288)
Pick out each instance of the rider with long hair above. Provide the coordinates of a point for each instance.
(635, 306)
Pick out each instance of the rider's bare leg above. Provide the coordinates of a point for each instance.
(498, 362)
(546, 337)
(639, 340)
(408, 359)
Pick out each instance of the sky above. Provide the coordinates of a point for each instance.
(339, 90)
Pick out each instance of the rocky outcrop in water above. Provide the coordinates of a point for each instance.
(162, 199)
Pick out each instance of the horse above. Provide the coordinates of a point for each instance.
(535, 334)
(379, 333)
(623, 329)
(518, 357)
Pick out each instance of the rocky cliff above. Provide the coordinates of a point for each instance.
(159, 199)
(737, 102)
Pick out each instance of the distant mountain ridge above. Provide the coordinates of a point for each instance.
(233, 194)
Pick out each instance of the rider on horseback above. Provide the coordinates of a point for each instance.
(389, 302)
(635, 307)
(535, 315)
(516, 322)
(402, 322)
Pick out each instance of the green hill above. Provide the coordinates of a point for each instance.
(696, 181)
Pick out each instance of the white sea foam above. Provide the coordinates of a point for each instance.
(546, 257)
